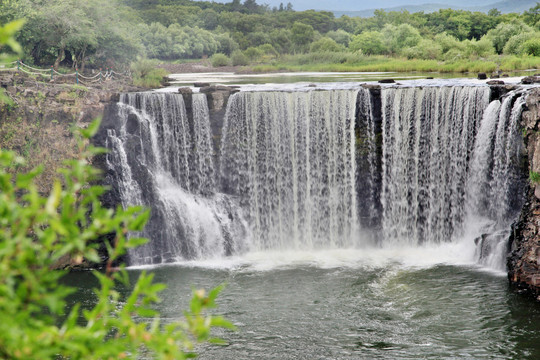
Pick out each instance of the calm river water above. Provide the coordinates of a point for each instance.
(352, 305)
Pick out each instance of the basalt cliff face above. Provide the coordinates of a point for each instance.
(524, 258)
(37, 121)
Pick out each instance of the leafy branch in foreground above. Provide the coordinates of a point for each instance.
(37, 231)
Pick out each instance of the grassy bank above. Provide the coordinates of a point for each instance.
(348, 62)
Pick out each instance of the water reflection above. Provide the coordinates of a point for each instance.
(388, 312)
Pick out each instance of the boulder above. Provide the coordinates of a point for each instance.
(371, 86)
(185, 90)
(527, 80)
(386, 81)
(482, 76)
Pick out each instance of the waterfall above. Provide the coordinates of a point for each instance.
(165, 161)
(291, 158)
(428, 136)
(309, 170)
(496, 182)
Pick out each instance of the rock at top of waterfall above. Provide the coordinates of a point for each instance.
(185, 90)
(218, 95)
(371, 86)
(528, 80)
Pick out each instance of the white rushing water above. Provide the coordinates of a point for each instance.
(401, 170)
(291, 158)
(169, 167)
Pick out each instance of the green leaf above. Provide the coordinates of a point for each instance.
(135, 242)
(219, 321)
(92, 129)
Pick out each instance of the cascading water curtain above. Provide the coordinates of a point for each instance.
(164, 160)
(450, 161)
(291, 159)
(428, 137)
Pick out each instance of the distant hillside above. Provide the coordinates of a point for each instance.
(505, 6)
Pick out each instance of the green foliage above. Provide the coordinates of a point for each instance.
(369, 43)
(340, 36)
(80, 31)
(504, 31)
(301, 35)
(7, 38)
(326, 44)
(532, 16)
(107, 33)
(532, 47)
(218, 60)
(514, 46)
(39, 233)
(448, 42)
(534, 178)
(239, 59)
(399, 37)
(253, 53)
(425, 49)
(146, 73)
(478, 48)
(177, 42)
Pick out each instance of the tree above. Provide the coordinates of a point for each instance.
(302, 34)
(369, 43)
(399, 37)
(340, 36)
(37, 232)
(326, 44)
(532, 16)
(504, 31)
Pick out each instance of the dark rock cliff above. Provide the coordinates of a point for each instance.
(524, 259)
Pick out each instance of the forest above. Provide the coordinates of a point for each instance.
(113, 33)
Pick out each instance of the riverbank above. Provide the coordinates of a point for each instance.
(350, 62)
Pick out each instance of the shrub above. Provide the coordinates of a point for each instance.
(478, 48)
(504, 31)
(326, 44)
(532, 47)
(239, 59)
(426, 49)
(400, 37)
(448, 42)
(514, 46)
(453, 55)
(146, 73)
(369, 43)
(37, 232)
(534, 178)
(268, 49)
(219, 59)
(340, 36)
(253, 53)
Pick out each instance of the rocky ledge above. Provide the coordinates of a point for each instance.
(38, 121)
(524, 259)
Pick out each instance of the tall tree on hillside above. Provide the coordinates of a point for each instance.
(532, 16)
